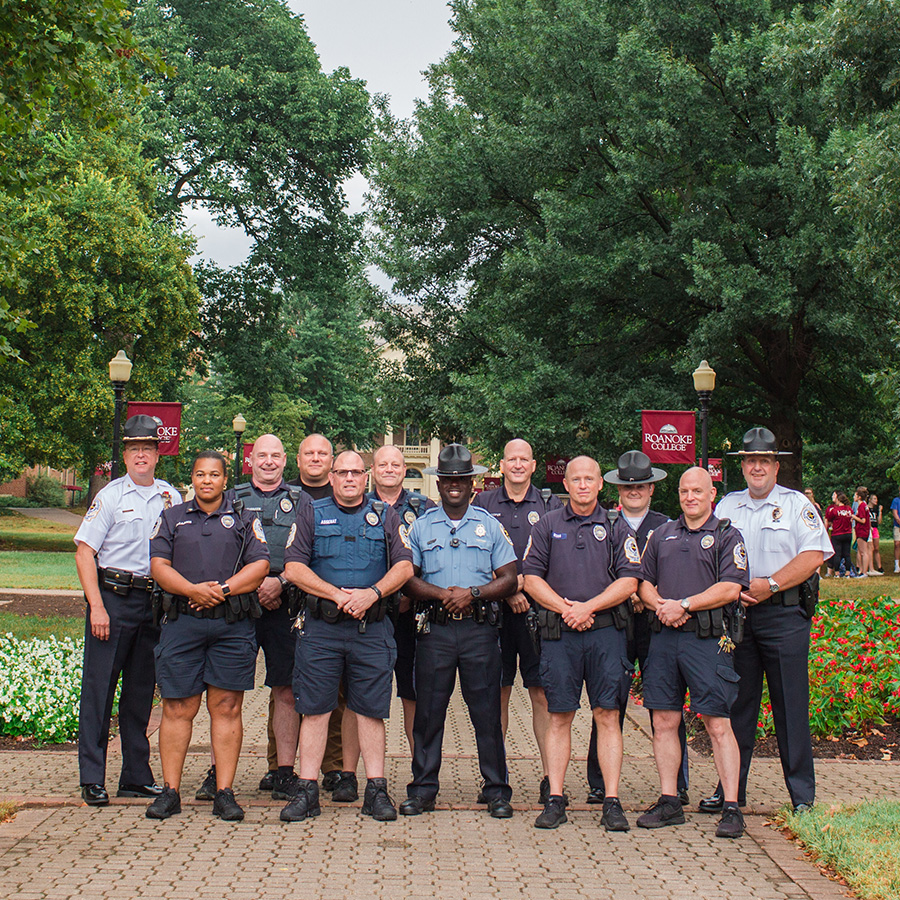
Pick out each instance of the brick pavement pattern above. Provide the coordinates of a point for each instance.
(57, 848)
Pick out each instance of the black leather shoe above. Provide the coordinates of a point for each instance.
(596, 795)
(347, 788)
(226, 807)
(168, 803)
(305, 803)
(266, 783)
(415, 806)
(715, 803)
(330, 780)
(377, 802)
(94, 794)
(207, 790)
(139, 790)
(500, 808)
(544, 790)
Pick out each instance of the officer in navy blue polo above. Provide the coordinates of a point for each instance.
(692, 570)
(583, 570)
(348, 557)
(113, 562)
(786, 543)
(275, 503)
(210, 559)
(465, 568)
(635, 478)
(517, 505)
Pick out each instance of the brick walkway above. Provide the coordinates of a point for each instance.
(58, 848)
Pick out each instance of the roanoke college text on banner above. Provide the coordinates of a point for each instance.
(667, 436)
(168, 417)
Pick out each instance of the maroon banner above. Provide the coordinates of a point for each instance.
(556, 468)
(245, 464)
(491, 482)
(715, 468)
(667, 436)
(168, 417)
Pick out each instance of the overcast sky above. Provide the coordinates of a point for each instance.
(387, 43)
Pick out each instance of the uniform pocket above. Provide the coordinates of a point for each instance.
(727, 674)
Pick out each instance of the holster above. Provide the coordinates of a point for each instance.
(809, 595)
(735, 618)
(532, 621)
(623, 618)
(550, 623)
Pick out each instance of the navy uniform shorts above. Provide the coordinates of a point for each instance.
(679, 661)
(193, 653)
(276, 640)
(518, 651)
(405, 636)
(328, 653)
(597, 659)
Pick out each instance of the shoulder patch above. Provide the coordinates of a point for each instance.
(404, 537)
(506, 535)
(632, 554)
(258, 531)
(740, 556)
(155, 530)
(809, 518)
(94, 511)
(527, 548)
(291, 535)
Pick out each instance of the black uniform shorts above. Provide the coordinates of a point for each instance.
(517, 651)
(193, 653)
(679, 661)
(276, 640)
(596, 659)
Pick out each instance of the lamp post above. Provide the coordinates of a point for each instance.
(119, 373)
(239, 426)
(704, 385)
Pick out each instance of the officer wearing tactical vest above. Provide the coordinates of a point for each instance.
(275, 503)
(347, 555)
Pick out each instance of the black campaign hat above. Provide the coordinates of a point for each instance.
(455, 460)
(634, 468)
(759, 441)
(141, 428)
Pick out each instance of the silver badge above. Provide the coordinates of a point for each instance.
(599, 532)
(228, 521)
(533, 517)
(409, 517)
(371, 518)
(286, 505)
(707, 541)
(776, 514)
(480, 530)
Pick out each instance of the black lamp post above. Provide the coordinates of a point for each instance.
(704, 385)
(239, 426)
(119, 373)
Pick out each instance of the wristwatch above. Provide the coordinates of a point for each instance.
(377, 591)
(282, 580)
(476, 592)
(226, 588)
(685, 604)
(773, 584)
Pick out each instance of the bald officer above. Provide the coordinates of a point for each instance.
(113, 562)
(692, 569)
(517, 505)
(583, 570)
(786, 544)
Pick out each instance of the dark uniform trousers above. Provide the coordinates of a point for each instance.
(475, 651)
(776, 641)
(129, 653)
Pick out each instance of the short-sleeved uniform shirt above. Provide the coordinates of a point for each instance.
(581, 556)
(517, 518)
(776, 528)
(121, 518)
(459, 552)
(208, 546)
(404, 509)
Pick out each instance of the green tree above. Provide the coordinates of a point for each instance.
(596, 196)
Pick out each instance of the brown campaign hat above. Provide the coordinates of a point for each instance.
(634, 468)
(760, 441)
(455, 460)
(141, 428)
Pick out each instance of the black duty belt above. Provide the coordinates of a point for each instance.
(121, 581)
(601, 620)
(211, 612)
(787, 597)
(323, 608)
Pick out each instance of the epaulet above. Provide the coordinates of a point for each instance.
(245, 489)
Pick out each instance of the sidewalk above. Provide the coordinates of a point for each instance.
(58, 848)
(49, 514)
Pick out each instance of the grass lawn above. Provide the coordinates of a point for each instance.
(26, 569)
(861, 843)
(27, 628)
(18, 532)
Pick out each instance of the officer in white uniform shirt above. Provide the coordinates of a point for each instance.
(786, 544)
(113, 562)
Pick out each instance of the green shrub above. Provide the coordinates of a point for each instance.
(46, 491)
(8, 502)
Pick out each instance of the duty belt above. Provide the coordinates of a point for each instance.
(483, 613)
(168, 607)
(323, 608)
(601, 620)
(122, 582)
(787, 597)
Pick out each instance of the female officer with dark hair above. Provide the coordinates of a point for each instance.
(209, 558)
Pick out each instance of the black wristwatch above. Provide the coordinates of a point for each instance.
(377, 591)
(226, 588)
(476, 592)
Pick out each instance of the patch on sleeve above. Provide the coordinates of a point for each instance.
(94, 511)
(258, 531)
(404, 537)
(632, 554)
(291, 536)
(740, 556)
(155, 531)
(506, 535)
(527, 548)
(808, 516)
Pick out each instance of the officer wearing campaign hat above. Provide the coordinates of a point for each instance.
(786, 544)
(465, 566)
(113, 562)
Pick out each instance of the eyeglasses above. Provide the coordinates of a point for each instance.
(345, 473)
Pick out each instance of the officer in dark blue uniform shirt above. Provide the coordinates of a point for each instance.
(209, 558)
(465, 567)
(517, 505)
(692, 569)
(348, 557)
(583, 571)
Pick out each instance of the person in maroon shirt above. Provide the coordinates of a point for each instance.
(839, 519)
(863, 532)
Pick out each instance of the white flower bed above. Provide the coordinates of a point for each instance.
(40, 687)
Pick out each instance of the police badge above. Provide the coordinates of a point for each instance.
(707, 541)
(372, 518)
(480, 530)
(409, 517)
(286, 505)
(533, 517)
(600, 533)
(776, 514)
(228, 521)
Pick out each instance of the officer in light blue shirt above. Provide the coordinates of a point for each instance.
(465, 566)
(113, 562)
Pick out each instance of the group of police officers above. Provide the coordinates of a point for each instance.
(345, 590)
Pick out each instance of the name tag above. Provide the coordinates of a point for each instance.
(328, 522)
(556, 535)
